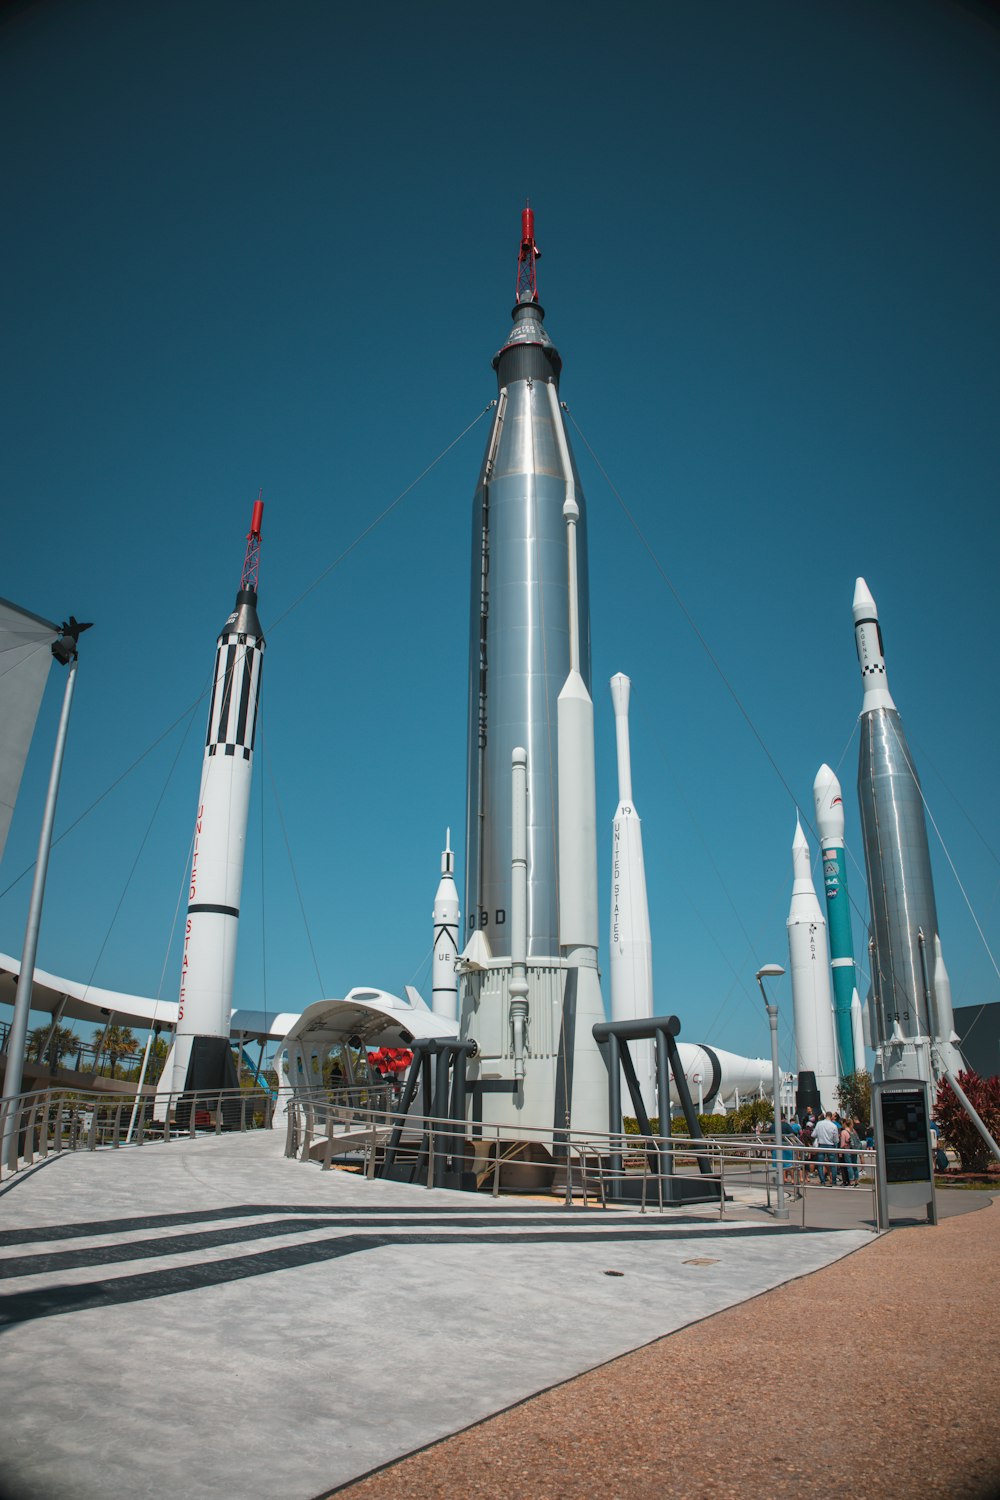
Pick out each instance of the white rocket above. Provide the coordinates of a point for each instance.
(201, 1054)
(858, 1030)
(583, 1006)
(446, 916)
(947, 1044)
(815, 1046)
(631, 946)
(716, 1078)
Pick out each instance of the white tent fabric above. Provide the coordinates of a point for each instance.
(25, 659)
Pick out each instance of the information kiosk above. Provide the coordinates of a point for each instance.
(904, 1161)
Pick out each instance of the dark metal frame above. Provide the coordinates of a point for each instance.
(614, 1036)
(436, 1062)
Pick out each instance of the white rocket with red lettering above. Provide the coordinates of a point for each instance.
(201, 1053)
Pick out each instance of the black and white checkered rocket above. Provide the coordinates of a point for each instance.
(202, 1056)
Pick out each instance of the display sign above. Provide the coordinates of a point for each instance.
(904, 1164)
(906, 1135)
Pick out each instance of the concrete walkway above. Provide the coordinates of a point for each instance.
(204, 1318)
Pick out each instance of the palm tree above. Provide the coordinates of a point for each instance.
(52, 1042)
(157, 1057)
(118, 1042)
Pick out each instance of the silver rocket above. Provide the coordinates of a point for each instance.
(529, 690)
(906, 1023)
(519, 637)
(201, 1054)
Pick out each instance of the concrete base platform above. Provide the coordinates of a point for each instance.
(205, 1318)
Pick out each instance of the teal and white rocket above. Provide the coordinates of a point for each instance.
(846, 1002)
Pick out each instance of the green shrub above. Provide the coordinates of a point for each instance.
(744, 1120)
(854, 1095)
(710, 1124)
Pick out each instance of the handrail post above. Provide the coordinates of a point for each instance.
(194, 1116)
(722, 1185)
(92, 1133)
(116, 1134)
(660, 1169)
(43, 1137)
(29, 1137)
(218, 1114)
(496, 1167)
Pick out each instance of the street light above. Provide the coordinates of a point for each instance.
(775, 971)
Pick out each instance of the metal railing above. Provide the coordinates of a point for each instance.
(51, 1121)
(363, 1127)
(651, 1173)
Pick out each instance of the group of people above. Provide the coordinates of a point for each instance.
(825, 1145)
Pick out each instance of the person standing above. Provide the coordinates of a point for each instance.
(808, 1149)
(826, 1138)
(848, 1171)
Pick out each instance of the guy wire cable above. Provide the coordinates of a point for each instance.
(285, 613)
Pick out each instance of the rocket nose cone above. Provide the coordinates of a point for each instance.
(620, 690)
(864, 605)
(829, 800)
(823, 778)
(799, 841)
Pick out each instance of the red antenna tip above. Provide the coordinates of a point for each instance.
(529, 253)
(251, 562)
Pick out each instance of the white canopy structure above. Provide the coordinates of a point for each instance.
(365, 1017)
(69, 1000)
(25, 640)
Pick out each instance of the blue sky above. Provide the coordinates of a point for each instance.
(257, 245)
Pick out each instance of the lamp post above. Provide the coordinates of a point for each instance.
(775, 971)
(66, 654)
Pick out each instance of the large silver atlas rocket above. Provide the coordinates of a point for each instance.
(531, 1014)
(202, 1059)
(912, 1027)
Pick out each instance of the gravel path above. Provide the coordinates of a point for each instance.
(889, 1378)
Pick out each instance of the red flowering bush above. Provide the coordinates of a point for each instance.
(956, 1126)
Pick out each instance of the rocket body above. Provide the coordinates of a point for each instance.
(529, 690)
(446, 918)
(948, 1049)
(201, 1055)
(815, 1047)
(900, 883)
(858, 1031)
(717, 1078)
(631, 947)
(830, 823)
(519, 641)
